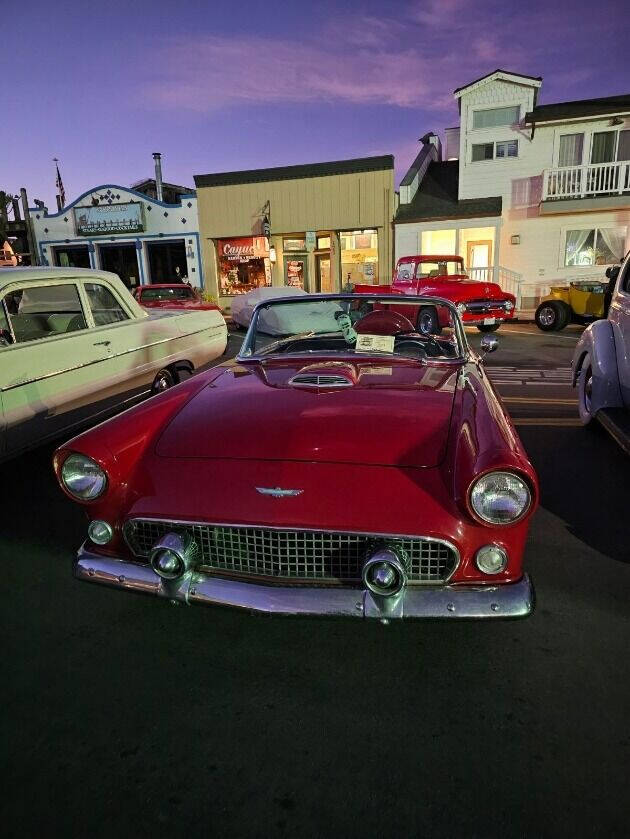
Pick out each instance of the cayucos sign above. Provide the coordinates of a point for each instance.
(241, 250)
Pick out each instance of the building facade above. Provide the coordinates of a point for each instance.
(317, 226)
(528, 194)
(120, 229)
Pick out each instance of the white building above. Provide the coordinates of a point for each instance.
(530, 195)
(126, 231)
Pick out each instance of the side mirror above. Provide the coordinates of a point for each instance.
(489, 344)
(613, 272)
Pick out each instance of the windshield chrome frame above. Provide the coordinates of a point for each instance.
(246, 352)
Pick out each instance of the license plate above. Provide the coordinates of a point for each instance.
(489, 321)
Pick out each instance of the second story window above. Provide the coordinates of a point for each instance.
(507, 149)
(492, 117)
(490, 151)
(609, 146)
(570, 151)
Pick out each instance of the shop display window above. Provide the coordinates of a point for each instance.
(359, 256)
(295, 244)
(243, 265)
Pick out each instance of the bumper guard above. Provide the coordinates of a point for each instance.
(508, 600)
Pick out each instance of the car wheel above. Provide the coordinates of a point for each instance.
(551, 315)
(428, 323)
(488, 327)
(585, 391)
(162, 381)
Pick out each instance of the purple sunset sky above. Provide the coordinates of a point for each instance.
(225, 85)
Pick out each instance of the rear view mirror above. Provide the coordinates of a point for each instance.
(489, 344)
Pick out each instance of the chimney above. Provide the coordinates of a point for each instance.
(158, 175)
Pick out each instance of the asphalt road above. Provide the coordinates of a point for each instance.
(123, 716)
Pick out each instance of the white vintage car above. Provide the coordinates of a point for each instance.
(601, 363)
(75, 347)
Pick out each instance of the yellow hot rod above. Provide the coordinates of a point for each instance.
(579, 302)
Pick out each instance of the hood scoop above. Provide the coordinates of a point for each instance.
(333, 375)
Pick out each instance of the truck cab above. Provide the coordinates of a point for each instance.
(479, 303)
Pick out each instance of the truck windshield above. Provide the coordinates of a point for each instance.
(438, 269)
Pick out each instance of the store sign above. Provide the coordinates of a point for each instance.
(242, 250)
(310, 240)
(104, 219)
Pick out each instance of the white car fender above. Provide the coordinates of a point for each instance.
(598, 342)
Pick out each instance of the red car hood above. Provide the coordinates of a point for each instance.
(392, 413)
(462, 288)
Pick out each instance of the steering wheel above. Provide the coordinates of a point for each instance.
(418, 351)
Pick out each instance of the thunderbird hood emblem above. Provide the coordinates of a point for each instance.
(278, 492)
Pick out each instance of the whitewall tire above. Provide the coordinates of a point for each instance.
(585, 391)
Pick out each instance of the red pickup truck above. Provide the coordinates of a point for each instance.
(482, 304)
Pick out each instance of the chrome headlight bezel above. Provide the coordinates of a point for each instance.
(461, 308)
(86, 470)
(497, 521)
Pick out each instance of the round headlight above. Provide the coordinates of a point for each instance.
(500, 497)
(100, 532)
(491, 559)
(167, 564)
(461, 308)
(509, 306)
(83, 477)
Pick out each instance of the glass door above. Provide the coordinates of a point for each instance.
(296, 271)
(324, 281)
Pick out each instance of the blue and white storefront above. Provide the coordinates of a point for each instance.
(118, 229)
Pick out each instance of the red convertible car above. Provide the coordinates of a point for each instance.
(481, 304)
(170, 296)
(343, 464)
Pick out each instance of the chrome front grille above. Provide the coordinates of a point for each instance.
(481, 306)
(295, 555)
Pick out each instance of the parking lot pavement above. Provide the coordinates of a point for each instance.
(122, 715)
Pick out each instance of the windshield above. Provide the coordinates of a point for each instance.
(357, 324)
(171, 293)
(426, 270)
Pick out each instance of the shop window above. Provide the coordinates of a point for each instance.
(296, 244)
(74, 257)
(359, 256)
(595, 246)
(438, 242)
(243, 265)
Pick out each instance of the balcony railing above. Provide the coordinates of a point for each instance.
(586, 181)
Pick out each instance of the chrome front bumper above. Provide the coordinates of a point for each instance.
(509, 600)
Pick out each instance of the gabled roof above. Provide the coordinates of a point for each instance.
(579, 108)
(437, 198)
(307, 170)
(504, 75)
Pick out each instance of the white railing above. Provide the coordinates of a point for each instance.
(510, 281)
(584, 181)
